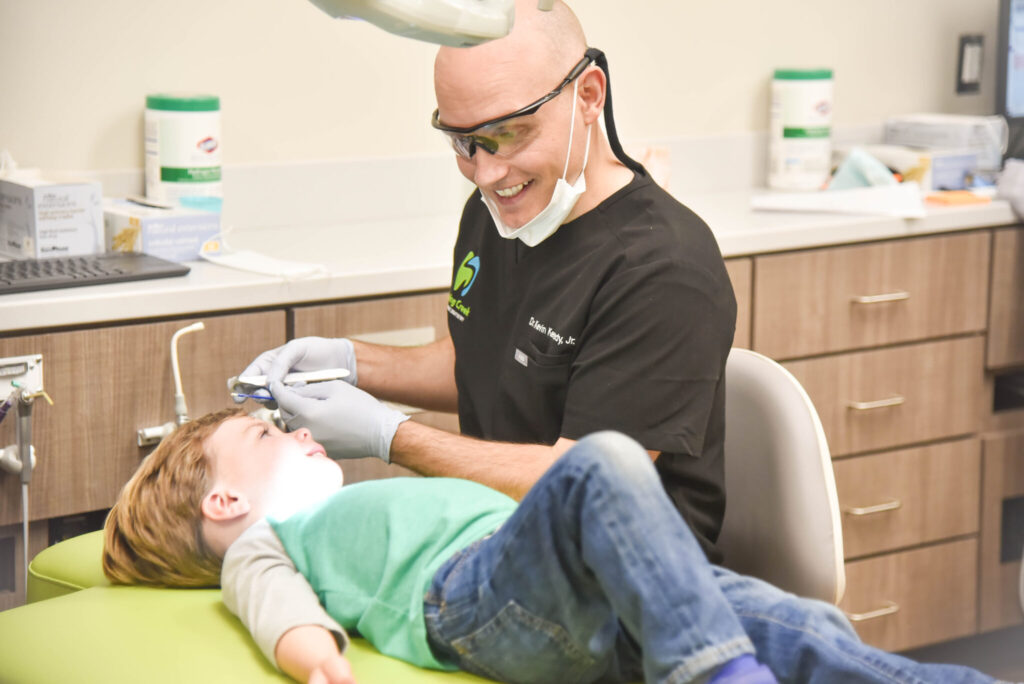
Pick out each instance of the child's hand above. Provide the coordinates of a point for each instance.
(334, 670)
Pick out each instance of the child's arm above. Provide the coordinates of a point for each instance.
(310, 654)
(261, 585)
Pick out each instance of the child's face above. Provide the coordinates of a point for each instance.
(278, 472)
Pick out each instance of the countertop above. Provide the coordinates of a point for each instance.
(377, 258)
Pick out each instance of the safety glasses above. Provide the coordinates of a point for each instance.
(505, 135)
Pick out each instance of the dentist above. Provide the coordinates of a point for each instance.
(584, 297)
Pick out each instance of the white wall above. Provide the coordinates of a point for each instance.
(296, 85)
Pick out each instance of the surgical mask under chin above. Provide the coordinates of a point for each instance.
(563, 199)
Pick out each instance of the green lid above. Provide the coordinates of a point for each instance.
(803, 74)
(183, 103)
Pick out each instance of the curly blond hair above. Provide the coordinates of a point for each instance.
(153, 534)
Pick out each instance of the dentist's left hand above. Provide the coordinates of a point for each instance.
(348, 422)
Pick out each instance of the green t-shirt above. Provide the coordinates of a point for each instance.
(371, 550)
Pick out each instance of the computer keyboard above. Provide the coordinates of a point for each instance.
(27, 275)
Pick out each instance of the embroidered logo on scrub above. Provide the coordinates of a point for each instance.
(464, 279)
(466, 274)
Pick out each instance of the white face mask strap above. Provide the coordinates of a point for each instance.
(572, 129)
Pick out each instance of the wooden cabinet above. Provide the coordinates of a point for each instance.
(108, 382)
(1002, 497)
(889, 341)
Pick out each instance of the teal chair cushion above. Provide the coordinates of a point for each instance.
(87, 631)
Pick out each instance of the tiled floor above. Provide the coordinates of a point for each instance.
(999, 654)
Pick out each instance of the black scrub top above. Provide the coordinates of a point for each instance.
(622, 319)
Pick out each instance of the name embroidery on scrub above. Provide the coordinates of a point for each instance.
(548, 331)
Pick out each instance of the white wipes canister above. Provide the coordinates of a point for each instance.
(183, 151)
(800, 131)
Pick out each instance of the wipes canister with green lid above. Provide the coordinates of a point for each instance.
(183, 149)
(800, 130)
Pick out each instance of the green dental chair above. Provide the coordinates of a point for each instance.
(76, 628)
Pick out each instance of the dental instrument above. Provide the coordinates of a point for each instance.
(293, 378)
(257, 397)
(255, 386)
(8, 403)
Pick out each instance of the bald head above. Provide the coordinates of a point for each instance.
(500, 76)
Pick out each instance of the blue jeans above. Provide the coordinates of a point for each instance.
(597, 578)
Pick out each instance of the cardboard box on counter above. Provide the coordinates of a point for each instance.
(176, 234)
(41, 217)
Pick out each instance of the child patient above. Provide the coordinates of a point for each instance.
(593, 577)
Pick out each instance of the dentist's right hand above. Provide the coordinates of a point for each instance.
(304, 354)
(347, 421)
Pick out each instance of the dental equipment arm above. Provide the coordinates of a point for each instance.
(180, 407)
(456, 23)
(21, 382)
(149, 436)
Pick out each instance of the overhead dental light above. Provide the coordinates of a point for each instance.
(457, 23)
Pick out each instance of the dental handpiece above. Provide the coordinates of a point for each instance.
(246, 386)
(296, 378)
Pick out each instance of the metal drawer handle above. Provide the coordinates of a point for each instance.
(880, 403)
(881, 298)
(877, 508)
(889, 609)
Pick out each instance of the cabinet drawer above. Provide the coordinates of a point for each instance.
(853, 297)
(904, 498)
(890, 397)
(909, 599)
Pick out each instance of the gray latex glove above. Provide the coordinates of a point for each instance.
(347, 421)
(303, 354)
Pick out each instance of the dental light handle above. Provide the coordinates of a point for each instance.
(457, 23)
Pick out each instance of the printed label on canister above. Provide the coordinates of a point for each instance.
(183, 150)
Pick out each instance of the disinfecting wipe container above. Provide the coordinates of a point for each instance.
(183, 155)
(800, 131)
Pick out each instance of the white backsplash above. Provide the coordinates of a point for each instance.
(309, 194)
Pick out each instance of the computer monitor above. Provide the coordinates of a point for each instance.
(1010, 70)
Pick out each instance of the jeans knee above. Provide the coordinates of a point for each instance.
(614, 456)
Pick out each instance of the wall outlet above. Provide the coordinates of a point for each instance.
(968, 69)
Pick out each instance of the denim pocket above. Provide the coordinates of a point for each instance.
(518, 646)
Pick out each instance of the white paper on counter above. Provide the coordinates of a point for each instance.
(900, 201)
